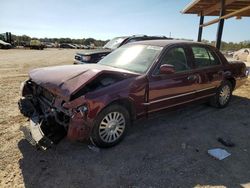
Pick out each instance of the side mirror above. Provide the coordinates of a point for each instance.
(167, 69)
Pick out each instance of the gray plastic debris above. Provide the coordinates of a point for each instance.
(183, 145)
(94, 148)
(219, 153)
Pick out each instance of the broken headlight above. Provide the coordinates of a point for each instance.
(21, 88)
(82, 109)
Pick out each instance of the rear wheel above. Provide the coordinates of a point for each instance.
(110, 126)
(223, 95)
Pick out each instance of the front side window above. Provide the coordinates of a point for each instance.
(176, 57)
(204, 58)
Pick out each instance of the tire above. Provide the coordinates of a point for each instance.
(110, 126)
(223, 95)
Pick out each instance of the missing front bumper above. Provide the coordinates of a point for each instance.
(35, 136)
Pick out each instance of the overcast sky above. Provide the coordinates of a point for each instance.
(105, 19)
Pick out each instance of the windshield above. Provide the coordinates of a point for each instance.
(114, 43)
(135, 58)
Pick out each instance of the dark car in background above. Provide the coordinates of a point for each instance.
(4, 45)
(99, 101)
(93, 56)
(66, 45)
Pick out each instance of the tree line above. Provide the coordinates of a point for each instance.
(88, 41)
(230, 46)
(225, 46)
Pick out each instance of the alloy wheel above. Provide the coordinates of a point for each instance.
(224, 94)
(112, 127)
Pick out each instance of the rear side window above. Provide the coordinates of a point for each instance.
(204, 57)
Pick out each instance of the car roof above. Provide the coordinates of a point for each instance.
(147, 36)
(143, 36)
(165, 42)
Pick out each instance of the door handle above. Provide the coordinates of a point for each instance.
(224, 73)
(192, 77)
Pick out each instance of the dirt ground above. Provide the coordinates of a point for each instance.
(167, 150)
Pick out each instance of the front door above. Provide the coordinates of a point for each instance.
(167, 90)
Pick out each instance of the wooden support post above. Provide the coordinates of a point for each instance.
(200, 28)
(220, 25)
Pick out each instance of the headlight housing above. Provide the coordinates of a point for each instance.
(82, 109)
(86, 58)
(21, 88)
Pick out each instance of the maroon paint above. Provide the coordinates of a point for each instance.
(141, 91)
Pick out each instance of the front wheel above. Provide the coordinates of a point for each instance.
(110, 126)
(223, 95)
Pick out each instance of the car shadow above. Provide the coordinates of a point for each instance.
(168, 149)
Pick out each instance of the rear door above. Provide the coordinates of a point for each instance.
(167, 90)
(208, 65)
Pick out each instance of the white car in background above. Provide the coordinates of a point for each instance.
(242, 54)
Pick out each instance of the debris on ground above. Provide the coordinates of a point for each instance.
(183, 145)
(94, 148)
(219, 153)
(197, 150)
(226, 142)
(244, 123)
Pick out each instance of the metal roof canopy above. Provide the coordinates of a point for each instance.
(223, 8)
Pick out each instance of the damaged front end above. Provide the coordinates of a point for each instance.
(59, 107)
(50, 122)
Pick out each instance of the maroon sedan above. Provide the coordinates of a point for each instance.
(99, 101)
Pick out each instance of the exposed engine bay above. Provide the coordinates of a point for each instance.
(101, 81)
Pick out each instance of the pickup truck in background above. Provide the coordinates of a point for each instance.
(36, 44)
(95, 55)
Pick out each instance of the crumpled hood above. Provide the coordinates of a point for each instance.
(68, 79)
